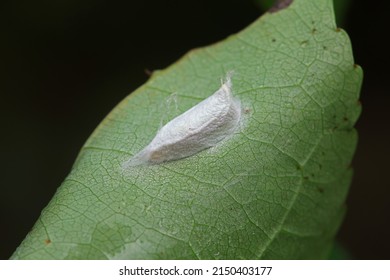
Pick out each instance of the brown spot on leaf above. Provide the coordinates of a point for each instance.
(280, 5)
(47, 241)
(148, 72)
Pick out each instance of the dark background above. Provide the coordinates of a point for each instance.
(65, 64)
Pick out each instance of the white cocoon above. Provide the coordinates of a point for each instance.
(199, 128)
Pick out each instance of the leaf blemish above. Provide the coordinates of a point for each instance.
(304, 43)
(201, 127)
(148, 72)
(280, 5)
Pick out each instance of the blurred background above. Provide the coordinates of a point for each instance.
(64, 64)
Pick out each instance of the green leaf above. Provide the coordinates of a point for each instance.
(276, 190)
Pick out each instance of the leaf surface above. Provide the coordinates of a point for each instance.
(275, 190)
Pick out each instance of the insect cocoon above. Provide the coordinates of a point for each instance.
(199, 128)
